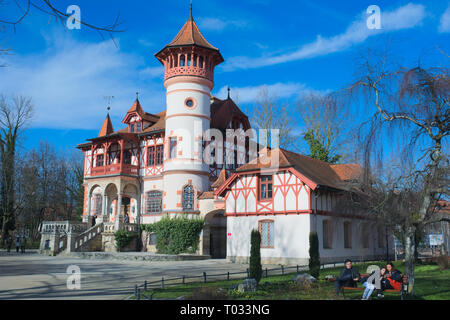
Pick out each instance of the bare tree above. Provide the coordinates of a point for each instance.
(47, 7)
(413, 103)
(14, 117)
(268, 114)
(324, 119)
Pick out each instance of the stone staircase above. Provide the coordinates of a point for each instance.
(67, 237)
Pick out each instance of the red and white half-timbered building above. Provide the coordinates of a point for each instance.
(289, 201)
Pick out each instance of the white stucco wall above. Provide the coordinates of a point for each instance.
(291, 238)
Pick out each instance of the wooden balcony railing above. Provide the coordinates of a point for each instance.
(115, 169)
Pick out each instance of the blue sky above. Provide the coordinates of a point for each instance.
(291, 47)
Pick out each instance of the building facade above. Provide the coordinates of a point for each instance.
(155, 166)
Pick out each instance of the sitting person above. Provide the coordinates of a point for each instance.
(393, 277)
(348, 278)
(370, 286)
(392, 280)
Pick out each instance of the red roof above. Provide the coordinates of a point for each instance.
(136, 108)
(107, 127)
(314, 172)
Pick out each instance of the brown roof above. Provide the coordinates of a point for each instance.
(348, 171)
(207, 195)
(318, 172)
(160, 124)
(107, 127)
(136, 108)
(223, 111)
(190, 35)
(220, 180)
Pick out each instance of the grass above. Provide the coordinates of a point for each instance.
(431, 284)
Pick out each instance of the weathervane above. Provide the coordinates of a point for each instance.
(108, 98)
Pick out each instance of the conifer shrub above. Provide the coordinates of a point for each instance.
(255, 268)
(314, 258)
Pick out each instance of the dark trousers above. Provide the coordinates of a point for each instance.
(17, 248)
(346, 281)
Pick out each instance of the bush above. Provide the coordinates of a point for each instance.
(177, 235)
(255, 268)
(123, 238)
(314, 257)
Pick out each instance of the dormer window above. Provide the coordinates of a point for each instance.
(132, 127)
(138, 127)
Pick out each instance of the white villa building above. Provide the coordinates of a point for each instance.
(153, 167)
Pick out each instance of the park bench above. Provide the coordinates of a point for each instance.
(403, 292)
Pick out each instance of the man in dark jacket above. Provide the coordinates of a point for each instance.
(348, 278)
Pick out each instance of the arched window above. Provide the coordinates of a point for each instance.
(189, 60)
(98, 204)
(188, 197)
(182, 60)
(200, 62)
(195, 60)
(154, 201)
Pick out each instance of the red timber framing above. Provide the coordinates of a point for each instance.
(153, 164)
(116, 159)
(284, 180)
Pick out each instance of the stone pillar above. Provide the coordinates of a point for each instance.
(118, 211)
(104, 209)
(88, 211)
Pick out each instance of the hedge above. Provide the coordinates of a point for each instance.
(176, 235)
(123, 238)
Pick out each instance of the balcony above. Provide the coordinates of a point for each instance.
(115, 169)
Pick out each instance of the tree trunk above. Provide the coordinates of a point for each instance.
(409, 256)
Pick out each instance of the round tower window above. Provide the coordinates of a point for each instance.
(190, 103)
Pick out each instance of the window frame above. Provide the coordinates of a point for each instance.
(329, 243)
(152, 154)
(173, 147)
(159, 155)
(260, 229)
(183, 199)
(158, 198)
(266, 183)
(102, 155)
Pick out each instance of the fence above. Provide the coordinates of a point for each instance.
(204, 278)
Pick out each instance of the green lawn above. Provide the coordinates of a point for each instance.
(431, 284)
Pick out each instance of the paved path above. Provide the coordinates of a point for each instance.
(34, 276)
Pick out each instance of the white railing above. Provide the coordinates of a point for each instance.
(88, 235)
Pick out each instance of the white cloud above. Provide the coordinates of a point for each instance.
(152, 72)
(405, 17)
(444, 25)
(279, 90)
(68, 83)
(215, 24)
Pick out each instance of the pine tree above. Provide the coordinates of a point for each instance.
(255, 268)
(314, 258)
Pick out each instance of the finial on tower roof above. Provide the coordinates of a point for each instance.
(137, 95)
(228, 92)
(108, 99)
(190, 12)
